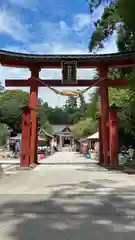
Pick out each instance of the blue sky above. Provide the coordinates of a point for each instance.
(48, 26)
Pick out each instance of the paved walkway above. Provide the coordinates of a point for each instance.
(66, 157)
(64, 202)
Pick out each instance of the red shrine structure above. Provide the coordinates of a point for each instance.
(69, 65)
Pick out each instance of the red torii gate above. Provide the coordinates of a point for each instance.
(108, 116)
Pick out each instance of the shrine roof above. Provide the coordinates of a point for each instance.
(60, 128)
(8, 58)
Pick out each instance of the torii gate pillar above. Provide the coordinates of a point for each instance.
(25, 142)
(33, 101)
(103, 71)
(101, 156)
(113, 127)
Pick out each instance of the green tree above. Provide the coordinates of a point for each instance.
(125, 9)
(72, 109)
(84, 127)
(43, 120)
(11, 104)
(93, 106)
(71, 104)
(118, 16)
(4, 134)
(59, 115)
(104, 27)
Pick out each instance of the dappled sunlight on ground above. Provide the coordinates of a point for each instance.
(70, 216)
(69, 203)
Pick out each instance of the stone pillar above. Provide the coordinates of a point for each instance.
(104, 113)
(113, 127)
(25, 140)
(33, 101)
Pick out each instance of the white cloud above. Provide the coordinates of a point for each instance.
(54, 31)
(12, 26)
(57, 47)
(16, 49)
(109, 45)
(98, 13)
(64, 27)
(81, 21)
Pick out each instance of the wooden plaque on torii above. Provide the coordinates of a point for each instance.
(69, 72)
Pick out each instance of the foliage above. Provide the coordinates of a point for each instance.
(126, 11)
(43, 120)
(104, 27)
(93, 106)
(74, 111)
(88, 123)
(59, 115)
(11, 104)
(93, 4)
(47, 127)
(118, 17)
(84, 127)
(4, 134)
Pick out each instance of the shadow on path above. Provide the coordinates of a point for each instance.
(72, 211)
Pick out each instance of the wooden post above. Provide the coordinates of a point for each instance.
(104, 113)
(25, 140)
(33, 101)
(113, 127)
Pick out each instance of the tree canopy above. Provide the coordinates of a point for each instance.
(118, 16)
(118, 19)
